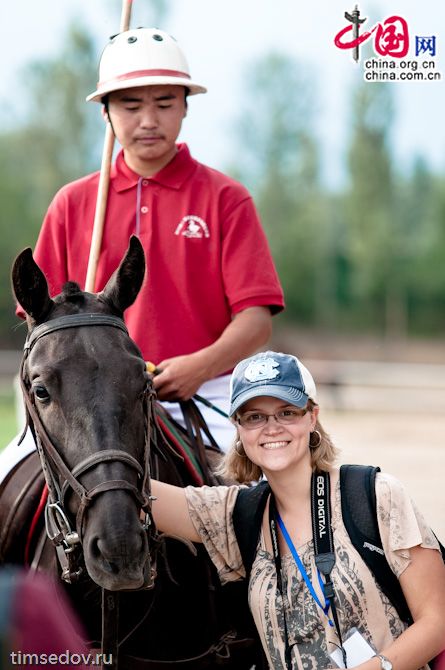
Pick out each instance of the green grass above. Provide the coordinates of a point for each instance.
(8, 423)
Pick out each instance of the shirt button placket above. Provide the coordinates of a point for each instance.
(144, 208)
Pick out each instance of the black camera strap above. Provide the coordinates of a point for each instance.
(324, 542)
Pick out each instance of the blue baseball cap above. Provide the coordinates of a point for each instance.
(271, 373)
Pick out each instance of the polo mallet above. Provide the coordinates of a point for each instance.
(110, 600)
(104, 179)
(153, 370)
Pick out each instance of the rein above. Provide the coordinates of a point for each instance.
(57, 522)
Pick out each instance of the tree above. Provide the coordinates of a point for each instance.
(375, 240)
(57, 141)
(279, 161)
(425, 216)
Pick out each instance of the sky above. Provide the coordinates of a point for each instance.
(221, 39)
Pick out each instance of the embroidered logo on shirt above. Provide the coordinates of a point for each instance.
(262, 368)
(192, 226)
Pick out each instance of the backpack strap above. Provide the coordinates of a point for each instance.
(247, 519)
(359, 512)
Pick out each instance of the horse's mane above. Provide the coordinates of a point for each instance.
(71, 292)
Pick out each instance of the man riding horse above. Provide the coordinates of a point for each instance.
(211, 286)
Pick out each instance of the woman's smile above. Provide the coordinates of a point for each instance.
(277, 444)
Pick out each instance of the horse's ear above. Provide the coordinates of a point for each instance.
(30, 286)
(124, 285)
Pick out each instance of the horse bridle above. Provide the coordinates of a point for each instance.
(57, 520)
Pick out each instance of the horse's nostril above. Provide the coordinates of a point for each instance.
(97, 552)
(113, 567)
(94, 547)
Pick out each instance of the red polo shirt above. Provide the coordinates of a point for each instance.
(207, 255)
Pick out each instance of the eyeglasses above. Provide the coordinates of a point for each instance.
(252, 420)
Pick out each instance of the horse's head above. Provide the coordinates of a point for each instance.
(86, 386)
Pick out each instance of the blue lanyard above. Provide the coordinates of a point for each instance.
(302, 569)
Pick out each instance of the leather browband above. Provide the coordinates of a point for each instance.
(72, 321)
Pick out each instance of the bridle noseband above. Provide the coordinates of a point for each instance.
(57, 520)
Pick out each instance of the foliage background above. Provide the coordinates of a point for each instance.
(349, 180)
(358, 234)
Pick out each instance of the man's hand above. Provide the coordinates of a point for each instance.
(180, 378)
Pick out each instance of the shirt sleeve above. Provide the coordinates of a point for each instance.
(211, 509)
(249, 274)
(401, 524)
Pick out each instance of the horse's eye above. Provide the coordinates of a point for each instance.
(41, 393)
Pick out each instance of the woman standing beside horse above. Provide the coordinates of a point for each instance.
(279, 436)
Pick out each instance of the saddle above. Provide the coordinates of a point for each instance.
(20, 492)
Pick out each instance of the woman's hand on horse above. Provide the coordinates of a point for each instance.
(180, 377)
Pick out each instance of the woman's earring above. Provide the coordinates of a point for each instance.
(239, 448)
(315, 439)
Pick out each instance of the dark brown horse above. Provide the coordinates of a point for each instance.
(91, 407)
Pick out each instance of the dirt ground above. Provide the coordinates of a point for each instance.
(408, 445)
(383, 401)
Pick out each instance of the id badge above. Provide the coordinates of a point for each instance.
(356, 648)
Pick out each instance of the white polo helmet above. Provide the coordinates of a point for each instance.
(142, 57)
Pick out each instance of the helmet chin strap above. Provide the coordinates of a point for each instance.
(106, 104)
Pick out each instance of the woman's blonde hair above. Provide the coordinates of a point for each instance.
(238, 467)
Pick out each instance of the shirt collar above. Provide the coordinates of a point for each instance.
(172, 175)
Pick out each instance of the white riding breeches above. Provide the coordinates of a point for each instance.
(13, 453)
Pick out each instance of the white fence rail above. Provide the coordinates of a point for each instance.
(379, 386)
(346, 385)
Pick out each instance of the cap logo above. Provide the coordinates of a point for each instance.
(261, 369)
